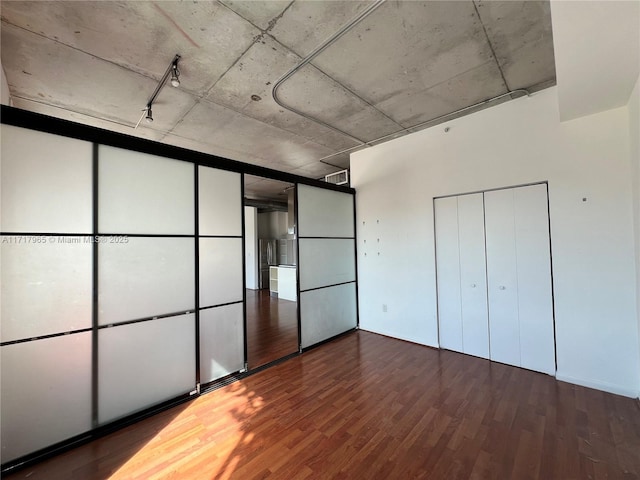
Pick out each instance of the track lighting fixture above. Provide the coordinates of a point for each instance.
(172, 71)
(175, 73)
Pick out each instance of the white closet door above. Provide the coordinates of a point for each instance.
(537, 346)
(473, 283)
(504, 323)
(448, 275)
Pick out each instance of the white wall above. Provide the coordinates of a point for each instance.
(514, 143)
(599, 41)
(634, 137)
(251, 247)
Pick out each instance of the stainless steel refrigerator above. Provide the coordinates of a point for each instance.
(268, 256)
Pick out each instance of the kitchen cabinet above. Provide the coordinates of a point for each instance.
(283, 282)
(494, 276)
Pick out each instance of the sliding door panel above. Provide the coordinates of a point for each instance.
(45, 182)
(221, 271)
(534, 279)
(502, 277)
(46, 393)
(328, 305)
(448, 273)
(324, 213)
(141, 193)
(326, 261)
(221, 342)
(327, 312)
(143, 364)
(46, 287)
(220, 202)
(145, 277)
(473, 283)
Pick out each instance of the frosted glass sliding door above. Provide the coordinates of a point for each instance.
(326, 261)
(220, 202)
(46, 392)
(141, 193)
(328, 304)
(144, 363)
(145, 277)
(327, 312)
(146, 337)
(45, 182)
(221, 273)
(324, 213)
(221, 341)
(46, 286)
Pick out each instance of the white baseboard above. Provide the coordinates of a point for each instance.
(604, 386)
(398, 337)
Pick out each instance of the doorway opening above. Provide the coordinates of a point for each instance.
(271, 270)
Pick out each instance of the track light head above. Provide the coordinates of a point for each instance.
(149, 117)
(175, 73)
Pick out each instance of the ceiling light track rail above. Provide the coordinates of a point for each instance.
(317, 51)
(174, 72)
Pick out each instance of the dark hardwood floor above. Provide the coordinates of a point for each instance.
(272, 328)
(366, 406)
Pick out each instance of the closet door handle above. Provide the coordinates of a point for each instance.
(502, 287)
(473, 285)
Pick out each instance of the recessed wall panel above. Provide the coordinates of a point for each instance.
(327, 312)
(141, 193)
(45, 182)
(324, 213)
(221, 341)
(46, 286)
(143, 364)
(221, 271)
(326, 261)
(220, 202)
(145, 277)
(45, 394)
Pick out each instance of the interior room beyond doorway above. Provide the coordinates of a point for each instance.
(271, 276)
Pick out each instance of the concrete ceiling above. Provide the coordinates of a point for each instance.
(405, 64)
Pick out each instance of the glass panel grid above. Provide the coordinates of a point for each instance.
(143, 364)
(45, 184)
(324, 213)
(140, 193)
(46, 286)
(45, 393)
(145, 277)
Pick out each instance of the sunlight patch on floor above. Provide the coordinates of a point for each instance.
(205, 440)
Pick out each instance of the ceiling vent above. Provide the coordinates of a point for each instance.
(338, 178)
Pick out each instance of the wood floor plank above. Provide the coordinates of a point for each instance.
(370, 407)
